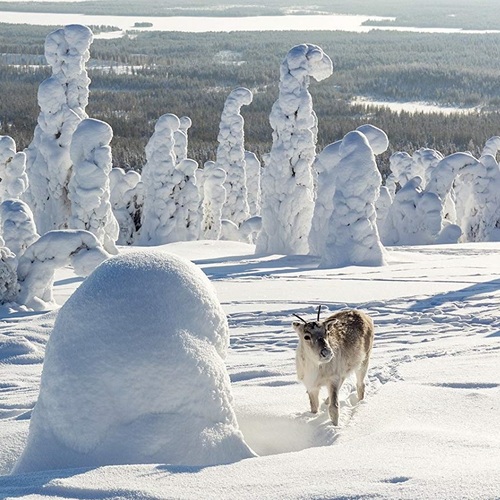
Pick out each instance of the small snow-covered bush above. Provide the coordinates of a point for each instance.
(118, 390)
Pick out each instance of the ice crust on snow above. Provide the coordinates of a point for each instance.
(117, 389)
(13, 178)
(62, 98)
(287, 181)
(231, 155)
(351, 237)
(89, 185)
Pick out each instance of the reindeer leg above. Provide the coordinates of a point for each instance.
(333, 408)
(314, 399)
(360, 379)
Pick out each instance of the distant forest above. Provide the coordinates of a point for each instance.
(464, 14)
(137, 78)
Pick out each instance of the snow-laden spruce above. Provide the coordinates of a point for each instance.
(405, 167)
(171, 198)
(231, 155)
(62, 99)
(127, 199)
(351, 237)
(416, 218)
(9, 286)
(442, 179)
(13, 178)
(287, 201)
(17, 226)
(117, 389)
(89, 187)
(324, 169)
(253, 175)
(491, 146)
(212, 180)
(477, 193)
(181, 139)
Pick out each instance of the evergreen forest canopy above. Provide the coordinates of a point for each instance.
(139, 77)
(463, 14)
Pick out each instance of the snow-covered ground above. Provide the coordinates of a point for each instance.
(429, 426)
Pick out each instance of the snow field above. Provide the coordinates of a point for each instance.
(428, 425)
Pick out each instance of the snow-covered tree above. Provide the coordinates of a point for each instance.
(181, 139)
(62, 99)
(127, 199)
(324, 168)
(171, 200)
(405, 167)
(187, 201)
(214, 196)
(253, 175)
(9, 286)
(287, 183)
(492, 146)
(478, 200)
(231, 155)
(13, 178)
(442, 178)
(352, 236)
(89, 187)
(416, 218)
(55, 249)
(17, 226)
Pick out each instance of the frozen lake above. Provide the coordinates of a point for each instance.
(221, 24)
(414, 106)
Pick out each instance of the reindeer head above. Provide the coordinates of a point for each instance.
(314, 338)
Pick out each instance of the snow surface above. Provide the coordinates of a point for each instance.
(428, 427)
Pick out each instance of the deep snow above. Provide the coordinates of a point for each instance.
(428, 427)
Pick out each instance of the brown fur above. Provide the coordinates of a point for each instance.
(329, 350)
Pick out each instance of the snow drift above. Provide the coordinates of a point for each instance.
(139, 380)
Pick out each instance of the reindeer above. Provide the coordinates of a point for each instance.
(329, 350)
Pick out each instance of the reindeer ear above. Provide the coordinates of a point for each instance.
(298, 327)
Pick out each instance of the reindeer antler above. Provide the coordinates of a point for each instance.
(319, 311)
(301, 319)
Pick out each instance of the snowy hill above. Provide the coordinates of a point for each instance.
(429, 426)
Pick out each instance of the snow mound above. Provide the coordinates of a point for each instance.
(134, 372)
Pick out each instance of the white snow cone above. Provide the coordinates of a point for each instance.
(134, 372)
